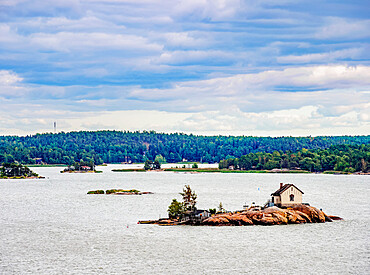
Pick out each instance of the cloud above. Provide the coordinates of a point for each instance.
(66, 41)
(344, 29)
(254, 84)
(222, 65)
(184, 40)
(194, 57)
(208, 9)
(241, 104)
(36, 8)
(10, 85)
(8, 78)
(90, 22)
(302, 121)
(38, 119)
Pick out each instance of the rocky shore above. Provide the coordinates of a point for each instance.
(269, 216)
(119, 192)
(22, 177)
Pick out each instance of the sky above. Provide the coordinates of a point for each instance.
(211, 67)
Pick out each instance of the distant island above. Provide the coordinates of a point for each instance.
(228, 171)
(118, 192)
(17, 171)
(284, 207)
(338, 159)
(81, 167)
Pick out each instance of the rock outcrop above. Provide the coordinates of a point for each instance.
(228, 219)
(335, 218)
(269, 216)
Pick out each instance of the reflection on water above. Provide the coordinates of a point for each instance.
(51, 226)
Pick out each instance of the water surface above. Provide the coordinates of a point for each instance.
(51, 226)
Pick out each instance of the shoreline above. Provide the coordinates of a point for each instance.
(46, 165)
(216, 170)
(80, 172)
(22, 178)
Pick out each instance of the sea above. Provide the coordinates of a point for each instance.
(51, 225)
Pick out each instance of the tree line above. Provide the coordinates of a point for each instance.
(346, 158)
(125, 146)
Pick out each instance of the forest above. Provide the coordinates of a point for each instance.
(125, 146)
(346, 158)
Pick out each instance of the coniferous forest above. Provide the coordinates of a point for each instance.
(124, 146)
(346, 158)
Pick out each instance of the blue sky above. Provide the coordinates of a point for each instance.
(205, 67)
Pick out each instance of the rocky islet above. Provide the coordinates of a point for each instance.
(296, 214)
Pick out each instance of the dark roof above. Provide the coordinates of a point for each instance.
(195, 212)
(285, 187)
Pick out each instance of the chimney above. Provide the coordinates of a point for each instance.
(281, 185)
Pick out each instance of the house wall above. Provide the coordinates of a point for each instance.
(285, 196)
(276, 199)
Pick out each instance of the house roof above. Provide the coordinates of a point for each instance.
(284, 188)
(195, 212)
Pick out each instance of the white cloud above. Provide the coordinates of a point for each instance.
(10, 39)
(339, 110)
(364, 116)
(208, 9)
(10, 85)
(35, 118)
(254, 85)
(322, 114)
(67, 41)
(345, 29)
(89, 22)
(185, 40)
(192, 57)
(302, 121)
(8, 78)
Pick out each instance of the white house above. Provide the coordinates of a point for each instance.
(287, 195)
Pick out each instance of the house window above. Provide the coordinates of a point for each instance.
(291, 197)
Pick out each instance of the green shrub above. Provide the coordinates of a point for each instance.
(96, 192)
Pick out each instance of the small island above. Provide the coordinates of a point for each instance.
(119, 192)
(284, 207)
(81, 167)
(340, 159)
(17, 171)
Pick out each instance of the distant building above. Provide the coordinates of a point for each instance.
(287, 195)
(202, 214)
(81, 167)
(38, 160)
(197, 215)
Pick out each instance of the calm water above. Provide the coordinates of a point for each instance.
(51, 226)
